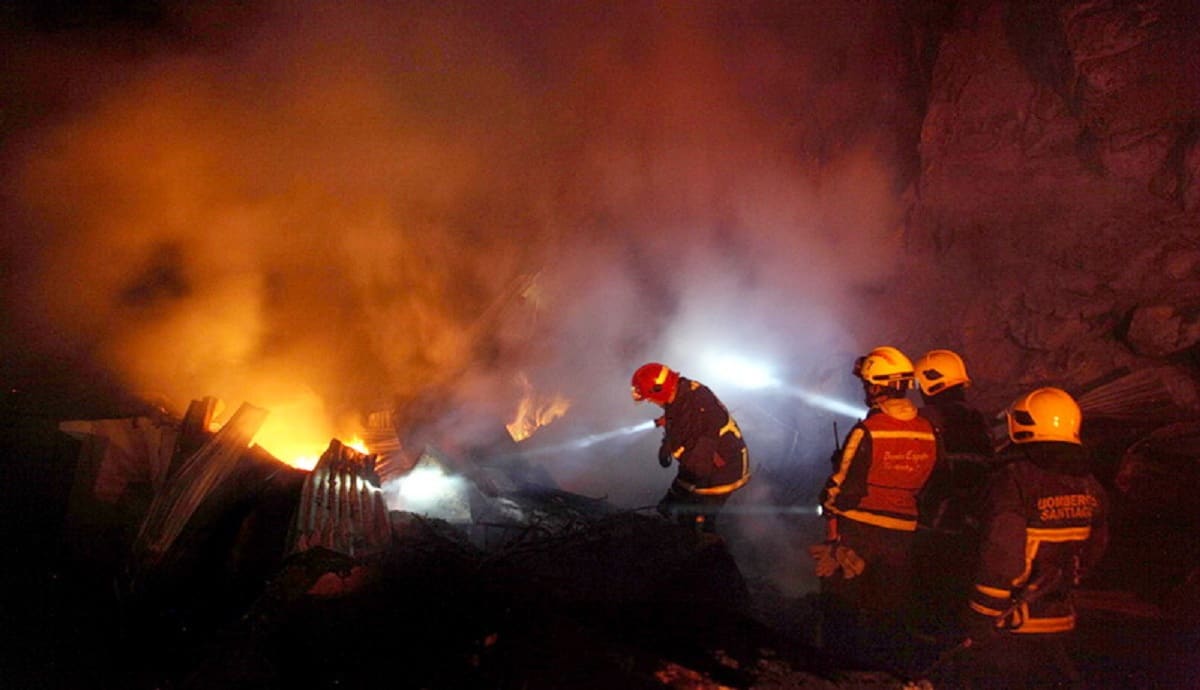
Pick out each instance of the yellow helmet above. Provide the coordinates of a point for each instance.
(940, 369)
(1046, 414)
(885, 366)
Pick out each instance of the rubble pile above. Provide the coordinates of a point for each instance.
(241, 572)
(281, 578)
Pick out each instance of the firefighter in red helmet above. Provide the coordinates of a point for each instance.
(1044, 528)
(702, 437)
(870, 502)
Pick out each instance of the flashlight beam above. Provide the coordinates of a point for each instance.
(593, 439)
(752, 375)
(825, 402)
(741, 372)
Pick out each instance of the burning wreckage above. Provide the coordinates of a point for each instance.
(225, 567)
(183, 555)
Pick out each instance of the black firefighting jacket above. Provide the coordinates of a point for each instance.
(954, 493)
(960, 427)
(1044, 522)
(883, 467)
(701, 434)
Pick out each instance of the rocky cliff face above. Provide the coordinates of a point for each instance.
(1053, 238)
(1054, 227)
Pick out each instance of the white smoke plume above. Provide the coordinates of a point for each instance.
(321, 208)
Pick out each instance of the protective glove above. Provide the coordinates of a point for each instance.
(825, 561)
(833, 556)
(852, 564)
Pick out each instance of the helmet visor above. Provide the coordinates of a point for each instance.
(858, 365)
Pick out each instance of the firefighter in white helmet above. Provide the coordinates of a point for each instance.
(870, 502)
(1045, 527)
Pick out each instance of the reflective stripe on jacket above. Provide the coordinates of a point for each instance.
(886, 461)
(1044, 513)
(704, 438)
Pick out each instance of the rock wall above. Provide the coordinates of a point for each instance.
(1054, 230)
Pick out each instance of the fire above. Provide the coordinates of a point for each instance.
(535, 412)
(298, 431)
(358, 444)
(296, 453)
(303, 462)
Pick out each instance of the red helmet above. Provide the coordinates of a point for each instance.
(655, 382)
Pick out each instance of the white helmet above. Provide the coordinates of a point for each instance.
(885, 366)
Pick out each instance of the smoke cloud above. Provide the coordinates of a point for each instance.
(323, 210)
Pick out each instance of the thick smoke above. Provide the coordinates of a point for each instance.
(323, 210)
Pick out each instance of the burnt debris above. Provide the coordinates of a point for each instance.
(156, 552)
(191, 559)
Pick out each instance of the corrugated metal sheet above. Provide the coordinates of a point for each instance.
(341, 506)
(1162, 393)
(174, 505)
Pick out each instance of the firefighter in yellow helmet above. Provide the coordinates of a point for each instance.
(1044, 528)
(942, 379)
(702, 437)
(952, 497)
(870, 502)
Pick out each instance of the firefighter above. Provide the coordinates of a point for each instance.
(702, 437)
(953, 495)
(942, 380)
(870, 503)
(1044, 528)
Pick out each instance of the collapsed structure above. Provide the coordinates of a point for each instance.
(237, 570)
(215, 564)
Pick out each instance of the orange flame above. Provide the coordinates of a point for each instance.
(535, 412)
(297, 453)
(308, 461)
(298, 430)
(357, 444)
